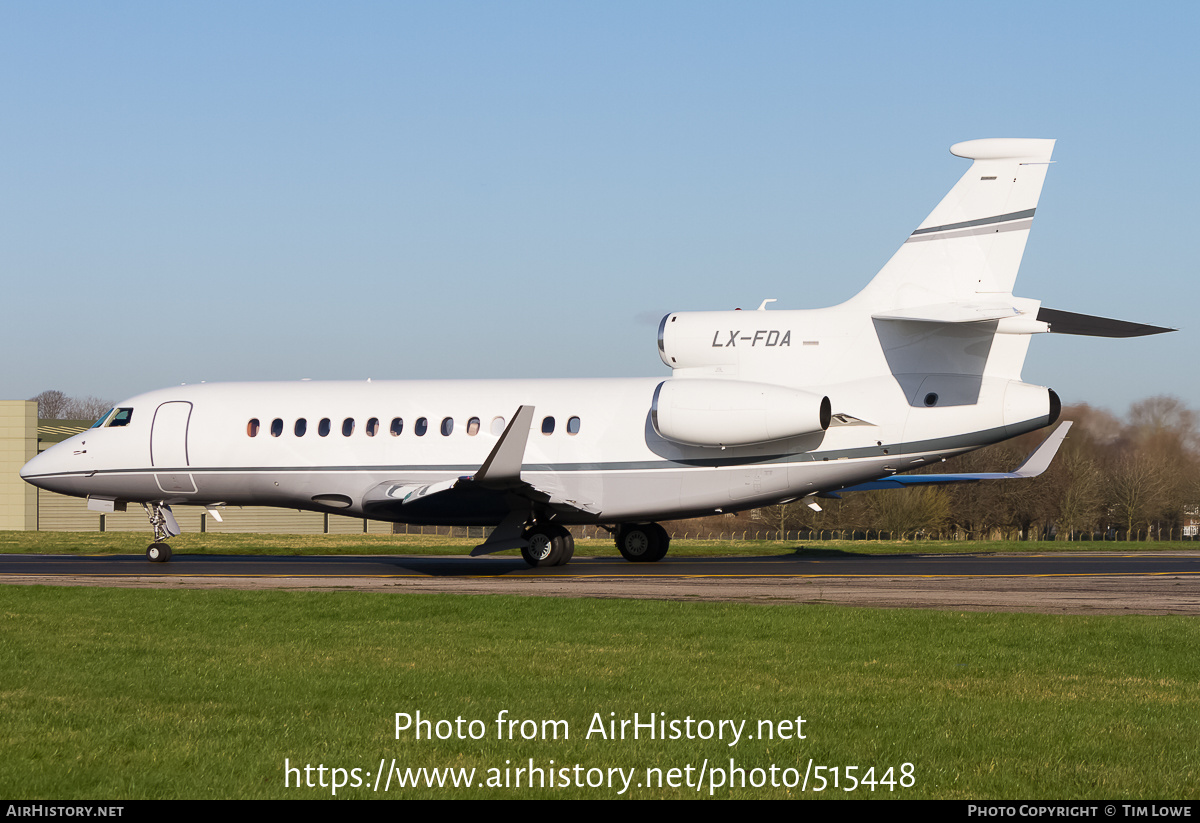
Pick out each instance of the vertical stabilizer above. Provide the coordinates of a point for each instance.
(969, 248)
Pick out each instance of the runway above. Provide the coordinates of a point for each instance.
(1144, 583)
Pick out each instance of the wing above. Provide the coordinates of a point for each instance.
(1036, 463)
(496, 494)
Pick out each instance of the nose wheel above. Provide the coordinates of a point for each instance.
(162, 520)
(158, 553)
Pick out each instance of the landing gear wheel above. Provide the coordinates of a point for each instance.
(642, 542)
(548, 546)
(568, 549)
(663, 544)
(158, 553)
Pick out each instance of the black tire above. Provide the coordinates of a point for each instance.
(664, 543)
(158, 553)
(568, 548)
(545, 546)
(640, 542)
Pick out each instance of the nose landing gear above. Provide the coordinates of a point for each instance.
(158, 553)
(162, 520)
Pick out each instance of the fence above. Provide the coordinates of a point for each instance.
(880, 535)
(61, 513)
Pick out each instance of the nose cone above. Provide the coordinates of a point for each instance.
(55, 468)
(33, 471)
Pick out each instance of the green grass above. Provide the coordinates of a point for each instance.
(15, 542)
(109, 693)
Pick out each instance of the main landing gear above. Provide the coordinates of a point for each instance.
(642, 542)
(549, 545)
(162, 520)
(553, 545)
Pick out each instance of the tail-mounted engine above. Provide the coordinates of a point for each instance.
(711, 340)
(724, 412)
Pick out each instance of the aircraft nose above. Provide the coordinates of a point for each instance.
(47, 469)
(35, 470)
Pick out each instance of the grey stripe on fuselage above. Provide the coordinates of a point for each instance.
(953, 443)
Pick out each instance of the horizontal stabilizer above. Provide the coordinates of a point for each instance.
(1067, 322)
(1036, 463)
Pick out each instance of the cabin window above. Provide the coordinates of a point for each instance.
(100, 421)
(497, 426)
(276, 427)
(348, 427)
(373, 427)
(121, 418)
(421, 427)
(547, 425)
(931, 399)
(301, 427)
(473, 426)
(573, 426)
(252, 427)
(323, 427)
(397, 426)
(447, 426)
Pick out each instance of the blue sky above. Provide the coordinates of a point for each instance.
(236, 191)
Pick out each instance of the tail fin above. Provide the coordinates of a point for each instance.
(969, 248)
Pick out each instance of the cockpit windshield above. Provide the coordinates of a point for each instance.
(121, 418)
(100, 422)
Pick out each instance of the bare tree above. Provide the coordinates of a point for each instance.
(51, 404)
(89, 408)
(1166, 423)
(55, 405)
(1136, 485)
(1082, 498)
(923, 509)
(782, 517)
(977, 509)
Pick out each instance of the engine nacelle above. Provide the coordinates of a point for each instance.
(689, 340)
(701, 412)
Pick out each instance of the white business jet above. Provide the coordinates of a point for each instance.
(761, 407)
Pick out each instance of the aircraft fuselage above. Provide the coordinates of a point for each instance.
(323, 446)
